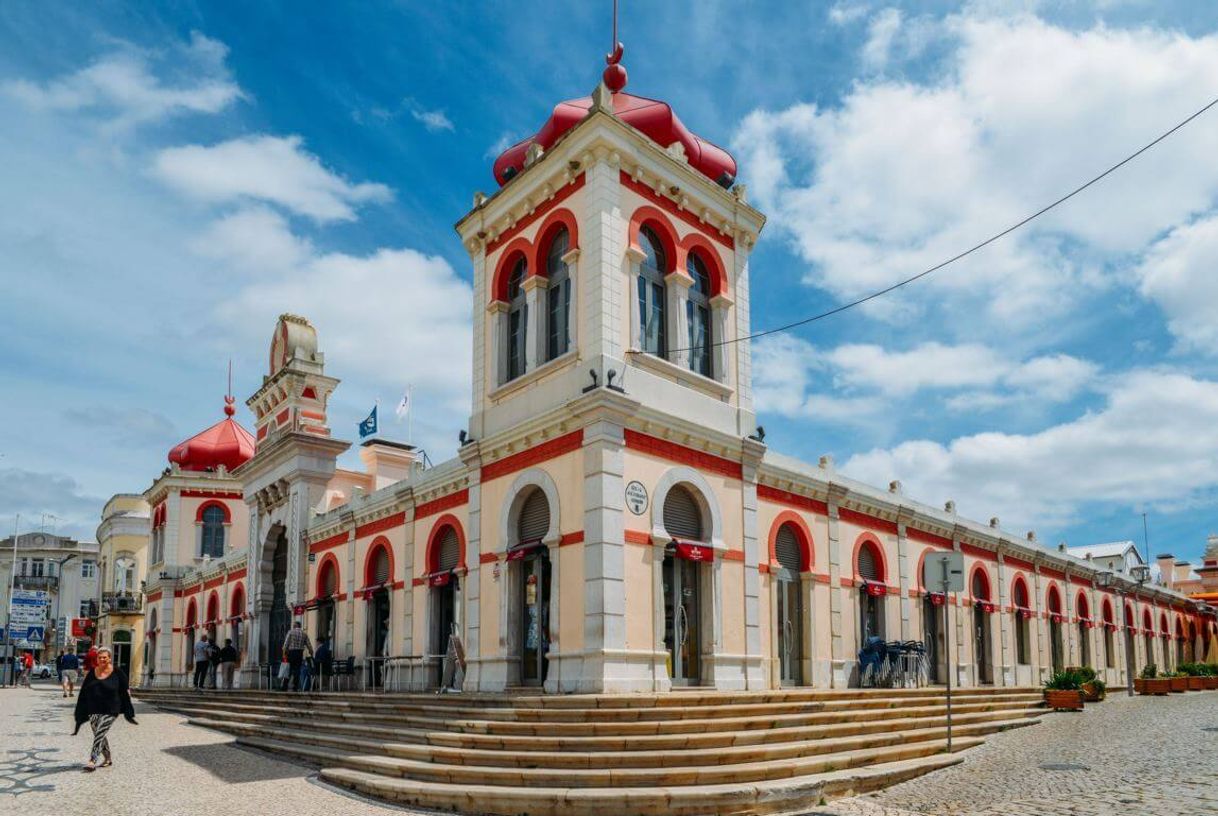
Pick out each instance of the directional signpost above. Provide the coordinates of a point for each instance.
(945, 570)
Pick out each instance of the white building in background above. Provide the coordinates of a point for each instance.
(61, 566)
(1116, 556)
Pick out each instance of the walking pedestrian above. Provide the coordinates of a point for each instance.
(323, 662)
(27, 668)
(201, 661)
(228, 663)
(103, 696)
(91, 658)
(294, 645)
(213, 663)
(69, 672)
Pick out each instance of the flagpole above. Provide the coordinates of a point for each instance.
(410, 414)
(8, 619)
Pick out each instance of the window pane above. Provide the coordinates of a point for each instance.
(658, 318)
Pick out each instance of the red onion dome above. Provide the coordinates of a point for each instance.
(225, 443)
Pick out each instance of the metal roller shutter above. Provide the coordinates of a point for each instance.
(449, 554)
(534, 517)
(787, 549)
(868, 567)
(380, 567)
(329, 581)
(682, 515)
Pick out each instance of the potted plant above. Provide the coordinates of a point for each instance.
(1153, 682)
(1063, 691)
(1092, 686)
(1192, 672)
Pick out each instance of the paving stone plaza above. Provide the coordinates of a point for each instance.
(1134, 757)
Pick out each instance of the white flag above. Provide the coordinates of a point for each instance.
(403, 406)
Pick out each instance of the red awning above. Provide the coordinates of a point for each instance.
(439, 579)
(694, 551)
(522, 549)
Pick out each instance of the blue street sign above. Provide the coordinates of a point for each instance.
(35, 634)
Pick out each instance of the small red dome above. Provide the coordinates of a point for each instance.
(225, 443)
(654, 119)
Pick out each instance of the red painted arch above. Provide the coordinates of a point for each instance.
(329, 562)
(648, 216)
(802, 532)
(518, 248)
(1053, 600)
(873, 541)
(561, 217)
(228, 516)
(1129, 617)
(1109, 616)
(1017, 583)
(192, 613)
(985, 578)
(433, 542)
(699, 245)
(380, 542)
(1179, 629)
(1163, 628)
(1148, 621)
(1082, 609)
(236, 603)
(213, 606)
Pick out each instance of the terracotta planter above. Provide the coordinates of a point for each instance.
(1178, 684)
(1158, 685)
(1211, 682)
(1139, 686)
(1092, 693)
(1064, 699)
(1196, 683)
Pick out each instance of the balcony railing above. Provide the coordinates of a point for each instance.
(45, 582)
(121, 603)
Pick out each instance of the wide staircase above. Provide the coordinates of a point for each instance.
(694, 752)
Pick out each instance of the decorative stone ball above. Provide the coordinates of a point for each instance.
(614, 77)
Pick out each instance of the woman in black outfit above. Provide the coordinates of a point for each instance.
(103, 696)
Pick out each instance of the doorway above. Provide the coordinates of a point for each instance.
(377, 635)
(1055, 645)
(121, 643)
(981, 645)
(788, 590)
(931, 626)
(279, 619)
(682, 618)
(533, 595)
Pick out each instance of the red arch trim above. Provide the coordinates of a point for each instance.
(648, 216)
(697, 244)
(236, 602)
(1053, 600)
(213, 606)
(1107, 612)
(1129, 617)
(1020, 581)
(518, 248)
(545, 234)
(433, 542)
(1082, 608)
(870, 539)
(1163, 629)
(802, 532)
(330, 562)
(228, 516)
(985, 578)
(1148, 621)
(380, 542)
(192, 613)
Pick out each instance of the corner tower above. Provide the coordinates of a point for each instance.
(615, 253)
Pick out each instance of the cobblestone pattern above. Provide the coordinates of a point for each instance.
(162, 766)
(1145, 756)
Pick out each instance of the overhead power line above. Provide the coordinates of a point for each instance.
(974, 248)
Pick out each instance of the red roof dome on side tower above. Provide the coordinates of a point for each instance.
(655, 119)
(225, 443)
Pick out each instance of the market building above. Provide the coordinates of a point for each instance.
(614, 520)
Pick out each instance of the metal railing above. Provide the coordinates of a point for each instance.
(121, 602)
(47, 582)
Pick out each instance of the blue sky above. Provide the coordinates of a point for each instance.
(177, 174)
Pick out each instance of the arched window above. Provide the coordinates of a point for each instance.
(653, 313)
(682, 514)
(534, 521)
(981, 586)
(213, 531)
(698, 315)
(327, 586)
(1023, 654)
(379, 568)
(787, 549)
(448, 549)
(869, 564)
(558, 298)
(518, 316)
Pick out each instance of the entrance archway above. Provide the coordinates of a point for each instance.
(682, 578)
(1056, 648)
(982, 607)
(278, 618)
(872, 581)
(120, 643)
(530, 575)
(444, 573)
(327, 590)
(378, 576)
(1023, 613)
(1082, 612)
(791, 550)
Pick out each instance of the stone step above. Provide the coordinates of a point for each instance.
(581, 729)
(658, 742)
(604, 777)
(794, 795)
(636, 758)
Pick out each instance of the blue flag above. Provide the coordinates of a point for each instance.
(368, 426)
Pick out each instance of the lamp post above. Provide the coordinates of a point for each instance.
(9, 664)
(1141, 574)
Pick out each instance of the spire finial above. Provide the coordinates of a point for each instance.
(614, 76)
(229, 410)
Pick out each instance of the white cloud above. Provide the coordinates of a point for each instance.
(881, 32)
(501, 144)
(859, 372)
(1178, 273)
(843, 13)
(433, 120)
(902, 175)
(1155, 439)
(265, 168)
(256, 239)
(123, 84)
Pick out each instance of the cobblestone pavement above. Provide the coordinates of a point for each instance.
(162, 767)
(1140, 756)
